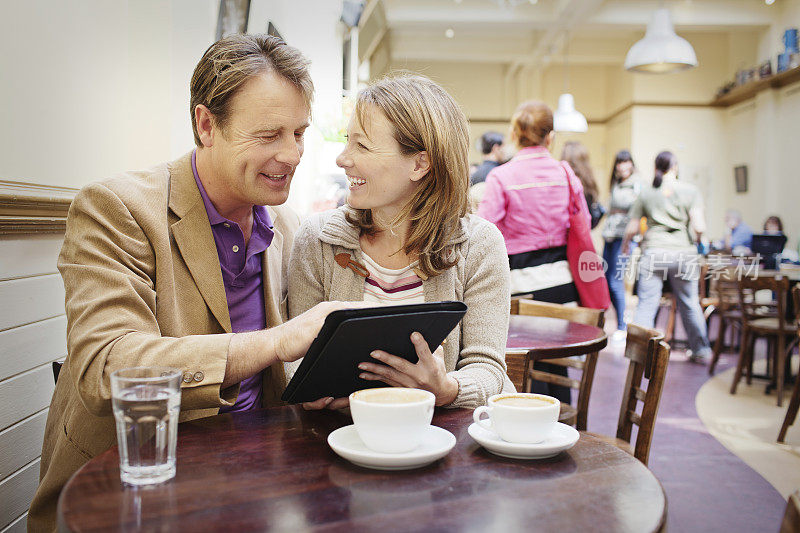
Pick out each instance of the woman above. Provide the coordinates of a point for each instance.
(625, 188)
(675, 220)
(773, 225)
(577, 156)
(406, 225)
(527, 199)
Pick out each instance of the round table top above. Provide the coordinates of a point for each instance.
(545, 337)
(272, 469)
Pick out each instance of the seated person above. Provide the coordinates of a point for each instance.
(774, 226)
(738, 235)
(406, 224)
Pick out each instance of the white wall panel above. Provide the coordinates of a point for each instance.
(16, 493)
(21, 443)
(29, 255)
(30, 300)
(25, 394)
(33, 345)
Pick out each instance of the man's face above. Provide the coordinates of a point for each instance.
(254, 156)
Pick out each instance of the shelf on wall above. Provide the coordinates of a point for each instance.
(749, 90)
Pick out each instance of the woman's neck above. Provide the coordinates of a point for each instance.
(385, 245)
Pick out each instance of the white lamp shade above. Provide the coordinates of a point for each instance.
(661, 50)
(567, 118)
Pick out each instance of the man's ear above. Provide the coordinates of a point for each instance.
(422, 165)
(204, 120)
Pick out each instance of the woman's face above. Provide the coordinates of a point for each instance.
(380, 177)
(771, 228)
(624, 169)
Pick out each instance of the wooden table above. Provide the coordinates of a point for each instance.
(546, 338)
(533, 338)
(272, 469)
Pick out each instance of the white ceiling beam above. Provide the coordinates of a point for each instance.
(731, 14)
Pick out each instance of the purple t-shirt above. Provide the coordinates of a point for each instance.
(241, 274)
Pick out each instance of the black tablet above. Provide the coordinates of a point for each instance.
(330, 366)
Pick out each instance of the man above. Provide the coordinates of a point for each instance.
(492, 150)
(184, 266)
(737, 233)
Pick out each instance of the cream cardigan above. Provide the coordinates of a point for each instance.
(474, 352)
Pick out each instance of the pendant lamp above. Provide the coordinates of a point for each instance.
(661, 51)
(566, 118)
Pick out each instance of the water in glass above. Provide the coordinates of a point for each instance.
(146, 406)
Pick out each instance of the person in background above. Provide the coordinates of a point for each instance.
(738, 235)
(407, 228)
(492, 150)
(577, 156)
(527, 199)
(773, 226)
(625, 188)
(675, 220)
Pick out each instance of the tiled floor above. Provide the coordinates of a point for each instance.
(708, 488)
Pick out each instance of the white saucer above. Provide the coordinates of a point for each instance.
(346, 443)
(562, 438)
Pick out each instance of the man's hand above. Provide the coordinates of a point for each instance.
(295, 336)
(253, 351)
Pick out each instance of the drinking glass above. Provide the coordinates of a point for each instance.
(146, 402)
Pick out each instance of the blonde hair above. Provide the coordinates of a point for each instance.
(425, 118)
(230, 63)
(531, 123)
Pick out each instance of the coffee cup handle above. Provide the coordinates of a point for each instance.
(483, 422)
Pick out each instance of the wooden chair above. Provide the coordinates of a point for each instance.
(759, 320)
(576, 415)
(57, 369)
(791, 518)
(794, 402)
(729, 312)
(649, 356)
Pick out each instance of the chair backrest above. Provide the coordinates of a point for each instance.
(753, 309)
(727, 290)
(57, 370)
(583, 315)
(791, 518)
(796, 299)
(649, 357)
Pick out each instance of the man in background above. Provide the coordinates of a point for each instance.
(491, 148)
(738, 235)
(184, 265)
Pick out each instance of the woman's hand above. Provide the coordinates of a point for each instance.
(429, 373)
(327, 403)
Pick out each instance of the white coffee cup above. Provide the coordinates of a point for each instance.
(519, 417)
(392, 419)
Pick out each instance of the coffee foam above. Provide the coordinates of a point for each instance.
(390, 395)
(515, 400)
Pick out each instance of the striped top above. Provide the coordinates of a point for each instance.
(387, 286)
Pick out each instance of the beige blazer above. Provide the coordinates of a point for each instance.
(144, 287)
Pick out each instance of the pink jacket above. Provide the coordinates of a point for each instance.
(527, 200)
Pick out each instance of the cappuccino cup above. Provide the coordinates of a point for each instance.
(392, 419)
(519, 417)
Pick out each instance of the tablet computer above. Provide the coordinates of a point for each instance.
(348, 336)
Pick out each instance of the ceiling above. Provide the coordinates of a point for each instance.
(534, 35)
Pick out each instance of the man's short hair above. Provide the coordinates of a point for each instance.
(230, 63)
(489, 140)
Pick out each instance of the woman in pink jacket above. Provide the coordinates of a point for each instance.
(527, 200)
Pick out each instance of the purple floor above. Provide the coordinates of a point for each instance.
(708, 488)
